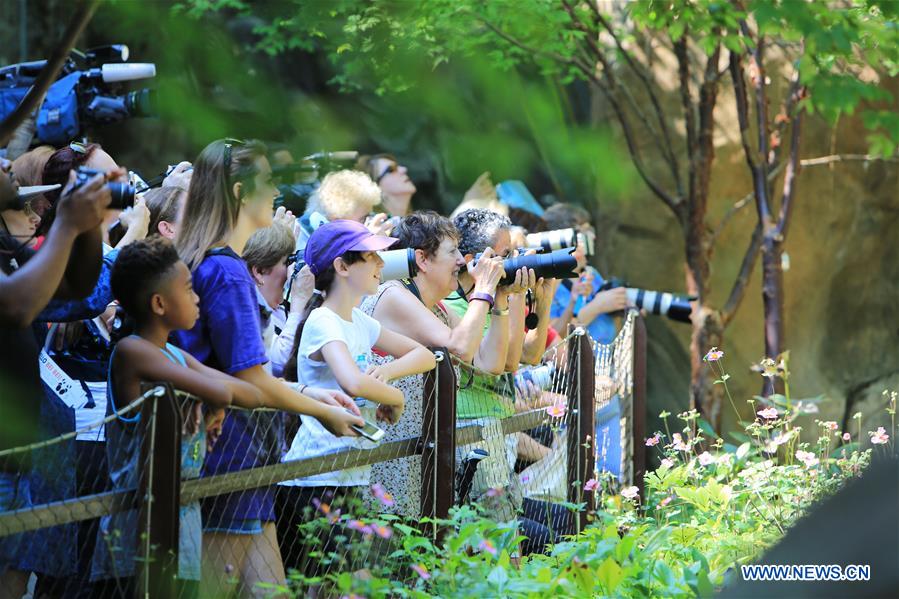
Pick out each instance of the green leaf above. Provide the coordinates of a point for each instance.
(610, 575)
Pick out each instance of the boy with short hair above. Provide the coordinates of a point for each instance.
(154, 287)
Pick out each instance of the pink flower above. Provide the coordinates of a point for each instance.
(630, 492)
(421, 571)
(847, 437)
(714, 355)
(830, 425)
(322, 507)
(557, 410)
(667, 463)
(678, 443)
(383, 496)
(880, 437)
(494, 492)
(360, 526)
(591, 485)
(487, 546)
(705, 458)
(382, 531)
(665, 501)
(653, 440)
(768, 413)
(808, 458)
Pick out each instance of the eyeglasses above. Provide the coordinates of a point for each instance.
(392, 168)
(230, 142)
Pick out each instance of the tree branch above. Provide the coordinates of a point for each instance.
(740, 204)
(653, 98)
(822, 160)
(789, 189)
(607, 91)
(683, 63)
(738, 291)
(84, 10)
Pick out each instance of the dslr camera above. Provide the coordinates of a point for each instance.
(675, 307)
(122, 193)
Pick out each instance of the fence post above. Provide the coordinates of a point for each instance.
(580, 422)
(638, 406)
(159, 494)
(438, 438)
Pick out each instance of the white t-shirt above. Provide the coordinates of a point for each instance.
(322, 327)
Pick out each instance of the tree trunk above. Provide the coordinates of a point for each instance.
(772, 300)
(708, 329)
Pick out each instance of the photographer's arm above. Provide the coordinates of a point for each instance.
(83, 267)
(25, 293)
(400, 311)
(86, 258)
(516, 331)
(535, 340)
(562, 321)
(604, 302)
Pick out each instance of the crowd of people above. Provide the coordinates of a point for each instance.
(202, 284)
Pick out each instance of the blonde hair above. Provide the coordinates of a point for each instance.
(343, 192)
(268, 246)
(210, 210)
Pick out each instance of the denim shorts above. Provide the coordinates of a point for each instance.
(252, 526)
(15, 494)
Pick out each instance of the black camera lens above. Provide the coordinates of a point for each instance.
(122, 195)
(560, 264)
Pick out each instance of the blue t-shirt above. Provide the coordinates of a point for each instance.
(228, 337)
(602, 328)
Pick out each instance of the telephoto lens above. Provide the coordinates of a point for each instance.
(398, 264)
(560, 264)
(551, 241)
(539, 376)
(675, 307)
(659, 302)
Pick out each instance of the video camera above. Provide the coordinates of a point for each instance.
(299, 180)
(88, 91)
(675, 307)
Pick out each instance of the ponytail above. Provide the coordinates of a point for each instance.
(323, 281)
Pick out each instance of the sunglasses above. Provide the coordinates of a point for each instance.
(390, 169)
(230, 142)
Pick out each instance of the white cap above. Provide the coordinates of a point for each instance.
(33, 190)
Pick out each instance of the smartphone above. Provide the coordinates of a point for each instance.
(369, 431)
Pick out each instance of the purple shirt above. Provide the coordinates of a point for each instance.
(228, 337)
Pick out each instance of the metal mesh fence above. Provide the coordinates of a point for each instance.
(521, 439)
(249, 517)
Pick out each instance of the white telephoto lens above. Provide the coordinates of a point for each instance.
(113, 73)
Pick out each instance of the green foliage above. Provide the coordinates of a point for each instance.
(840, 51)
(704, 514)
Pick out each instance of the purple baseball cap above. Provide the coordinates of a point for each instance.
(334, 238)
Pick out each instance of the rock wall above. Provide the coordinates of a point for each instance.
(841, 323)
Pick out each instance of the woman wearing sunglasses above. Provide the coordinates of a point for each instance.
(397, 188)
(231, 196)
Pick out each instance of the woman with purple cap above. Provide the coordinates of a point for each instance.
(333, 350)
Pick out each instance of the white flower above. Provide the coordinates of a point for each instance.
(630, 492)
(705, 458)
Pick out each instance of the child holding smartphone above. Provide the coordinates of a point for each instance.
(333, 350)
